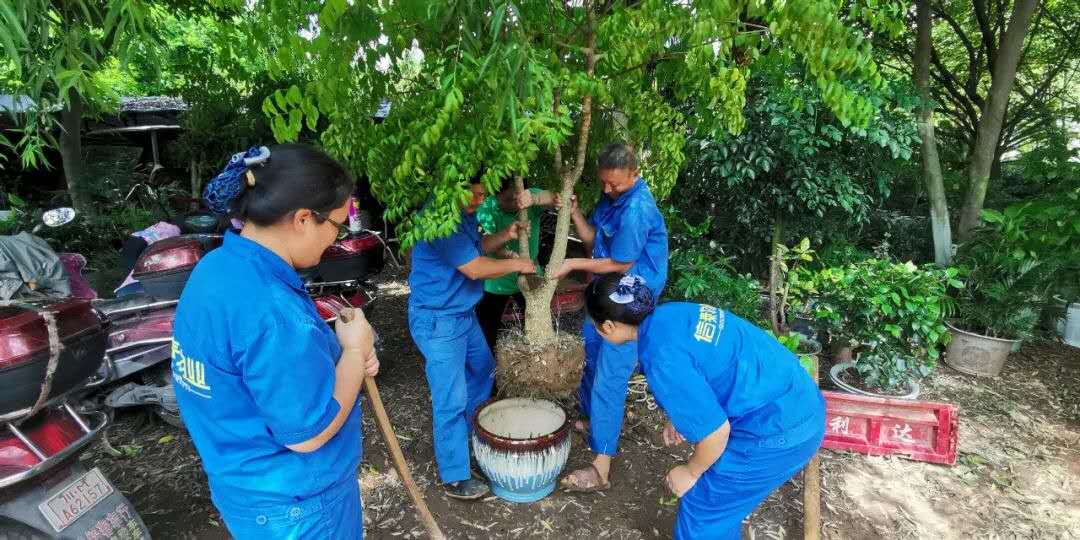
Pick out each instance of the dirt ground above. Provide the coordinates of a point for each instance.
(1017, 476)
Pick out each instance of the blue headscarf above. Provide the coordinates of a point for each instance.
(229, 184)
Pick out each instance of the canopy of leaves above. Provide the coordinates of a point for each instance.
(796, 160)
(965, 40)
(54, 50)
(494, 88)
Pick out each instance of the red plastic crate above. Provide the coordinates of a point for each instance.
(920, 430)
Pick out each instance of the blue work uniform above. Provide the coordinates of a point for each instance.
(629, 229)
(442, 320)
(254, 367)
(705, 367)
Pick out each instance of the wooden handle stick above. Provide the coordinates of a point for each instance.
(399, 460)
(812, 490)
(395, 450)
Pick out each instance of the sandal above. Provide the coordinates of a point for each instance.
(571, 483)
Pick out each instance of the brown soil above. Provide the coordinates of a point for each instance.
(553, 371)
(1018, 474)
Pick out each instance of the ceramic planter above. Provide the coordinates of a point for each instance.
(976, 354)
(522, 445)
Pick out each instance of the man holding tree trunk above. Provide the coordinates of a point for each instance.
(625, 233)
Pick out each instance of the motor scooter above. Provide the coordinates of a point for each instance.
(50, 349)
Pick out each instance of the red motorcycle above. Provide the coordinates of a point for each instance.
(139, 344)
(49, 349)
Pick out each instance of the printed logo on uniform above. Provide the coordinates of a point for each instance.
(189, 373)
(709, 324)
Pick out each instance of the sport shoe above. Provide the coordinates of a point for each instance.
(467, 490)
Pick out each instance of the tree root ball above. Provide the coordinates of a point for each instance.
(551, 372)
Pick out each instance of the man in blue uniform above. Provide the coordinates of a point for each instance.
(753, 414)
(446, 283)
(626, 233)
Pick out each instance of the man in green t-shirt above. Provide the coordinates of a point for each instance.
(495, 214)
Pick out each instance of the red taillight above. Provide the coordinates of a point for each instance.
(358, 299)
(329, 306)
(51, 433)
(23, 332)
(15, 457)
(351, 246)
(169, 254)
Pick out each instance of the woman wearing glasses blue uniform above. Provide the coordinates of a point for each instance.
(266, 389)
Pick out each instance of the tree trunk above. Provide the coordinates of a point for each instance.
(538, 319)
(71, 151)
(776, 318)
(931, 163)
(993, 114)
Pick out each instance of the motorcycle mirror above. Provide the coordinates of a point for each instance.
(58, 217)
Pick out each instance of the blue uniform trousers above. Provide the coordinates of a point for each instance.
(746, 473)
(460, 372)
(602, 394)
(335, 513)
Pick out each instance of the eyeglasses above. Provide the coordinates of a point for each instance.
(343, 230)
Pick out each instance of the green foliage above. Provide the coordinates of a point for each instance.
(1014, 263)
(888, 367)
(840, 253)
(59, 49)
(503, 85)
(699, 277)
(884, 308)
(796, 161)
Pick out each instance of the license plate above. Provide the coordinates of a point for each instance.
(76, 499)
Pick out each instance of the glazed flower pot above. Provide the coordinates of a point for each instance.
(976, 354)
(522, 445)
(911, 392)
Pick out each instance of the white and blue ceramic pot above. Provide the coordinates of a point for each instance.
(522, 445)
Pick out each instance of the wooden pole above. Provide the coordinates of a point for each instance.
(399, 460)
(812, 489)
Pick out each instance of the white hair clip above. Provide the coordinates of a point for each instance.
(626, 291)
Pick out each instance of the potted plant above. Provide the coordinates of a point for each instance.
(1009, 278)
(892, 314)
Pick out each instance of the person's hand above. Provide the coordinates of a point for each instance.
(513, 230)
(354, 332)
(371, 365)
(525, 199)
(680, 480)
(556, 201)
(524, 266)
(573, 204)
(671, 435)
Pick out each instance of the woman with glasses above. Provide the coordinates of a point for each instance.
(266, 389)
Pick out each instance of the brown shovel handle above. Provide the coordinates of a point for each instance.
(399, 460)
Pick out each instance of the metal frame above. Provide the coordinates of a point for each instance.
(48, 462)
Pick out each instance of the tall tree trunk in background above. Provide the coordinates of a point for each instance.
(993, 114)
(931, 163)
(776, 317)
(71, 151)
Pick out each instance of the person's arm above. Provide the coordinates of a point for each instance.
(596, 266)
(492, 242)
(692, 407)
(488, 268)
(358, 359)
(683, 477)
(348, 378)
(298, 391)
(543, 198)
(585, 231)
